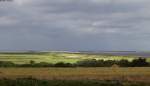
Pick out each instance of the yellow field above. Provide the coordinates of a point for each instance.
(130, 74)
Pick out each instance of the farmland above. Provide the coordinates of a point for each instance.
(54, 57)
(123, 74)
(64, 75)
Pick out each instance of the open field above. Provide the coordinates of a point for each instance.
(54, 57)
(134, 74)
(125, 74)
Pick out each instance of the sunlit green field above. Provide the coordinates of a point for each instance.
(54, 57)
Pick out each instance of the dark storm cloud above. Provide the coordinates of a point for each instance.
(75, 25)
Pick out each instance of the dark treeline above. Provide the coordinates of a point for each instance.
(35, 82)
(140, 62)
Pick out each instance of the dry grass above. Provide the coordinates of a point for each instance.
(130, 74)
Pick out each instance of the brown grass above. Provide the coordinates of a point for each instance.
(130, 74)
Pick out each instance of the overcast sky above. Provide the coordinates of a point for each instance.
(75, 25)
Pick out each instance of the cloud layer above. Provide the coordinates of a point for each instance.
(75, 25)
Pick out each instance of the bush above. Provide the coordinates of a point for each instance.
(62, 64)
(6, 64)
(141, 62)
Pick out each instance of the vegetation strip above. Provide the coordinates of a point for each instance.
(35, 82)
(140, 62)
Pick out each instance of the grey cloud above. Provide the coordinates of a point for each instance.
(74, 25)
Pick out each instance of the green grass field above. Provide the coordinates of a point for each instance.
(54, 57)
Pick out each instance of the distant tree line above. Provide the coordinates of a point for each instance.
(140, 62)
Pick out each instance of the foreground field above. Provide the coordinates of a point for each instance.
(123, 74)
(55, 57)
(36, 82)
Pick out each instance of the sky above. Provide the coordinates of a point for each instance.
(85, 25)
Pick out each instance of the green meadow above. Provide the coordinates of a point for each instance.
(55, 57)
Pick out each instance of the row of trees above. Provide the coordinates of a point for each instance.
(140, 62)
